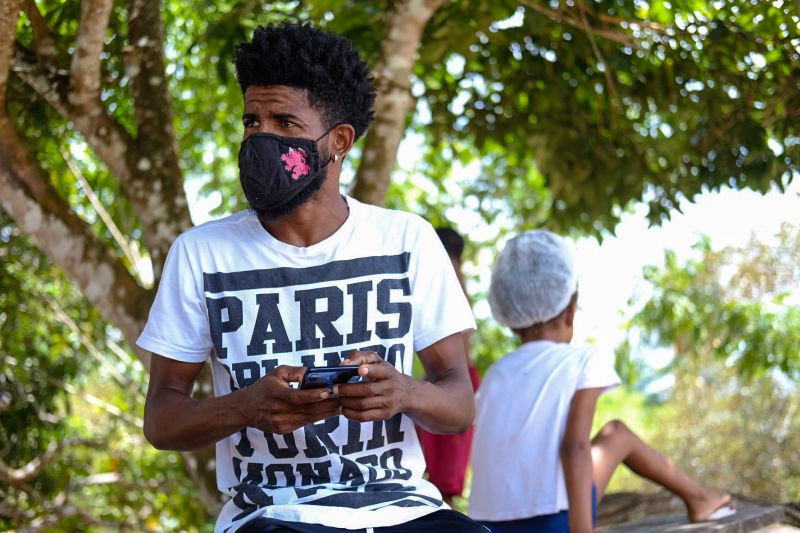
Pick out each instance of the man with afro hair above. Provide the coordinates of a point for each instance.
(308, 277)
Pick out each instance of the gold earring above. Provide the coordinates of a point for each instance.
(335, 157)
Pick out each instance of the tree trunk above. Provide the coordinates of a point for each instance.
(405, 25)
(145, 164)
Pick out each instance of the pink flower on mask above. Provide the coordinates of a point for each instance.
(294, 161)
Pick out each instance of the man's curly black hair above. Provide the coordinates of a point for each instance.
(336, 80)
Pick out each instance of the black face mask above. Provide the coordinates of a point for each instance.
(275, 169)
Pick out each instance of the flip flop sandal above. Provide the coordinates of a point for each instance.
(729, 509)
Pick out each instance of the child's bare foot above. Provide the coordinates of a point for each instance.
(701, 509)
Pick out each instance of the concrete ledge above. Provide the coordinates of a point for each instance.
(748, 518)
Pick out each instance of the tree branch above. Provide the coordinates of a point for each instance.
(619, 21)
(100, 403)
(84, 93)
(77, 98)
(46, 514)
(558, 16)
(17, 477)
(119, 351)
(145, 67)
(40, 212)
(199, 466)
(65, 319)
(131, 253)
(612, 87)
(405, 25)
(53, 514)
(107, 138)
(45, 42)
(28, 197)
(11, 511)
(147, 167)
(159, 180)
(47, 82)
(9, 14)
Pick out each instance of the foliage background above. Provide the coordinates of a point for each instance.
(533, 122)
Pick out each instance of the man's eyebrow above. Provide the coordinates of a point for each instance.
(287, 116)
(248, 116)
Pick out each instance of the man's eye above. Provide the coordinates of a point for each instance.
(249, 123)
(286, 123)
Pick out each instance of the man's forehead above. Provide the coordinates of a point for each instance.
(276, 94)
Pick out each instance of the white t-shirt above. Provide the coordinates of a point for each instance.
(522, 409)
(234, 295)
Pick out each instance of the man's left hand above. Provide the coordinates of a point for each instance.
(381, 396)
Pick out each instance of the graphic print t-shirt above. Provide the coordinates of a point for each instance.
(235, 296)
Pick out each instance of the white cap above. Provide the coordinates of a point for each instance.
(533, 279)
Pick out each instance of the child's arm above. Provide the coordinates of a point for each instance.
(576, 458)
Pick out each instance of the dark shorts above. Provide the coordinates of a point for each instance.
(439, 522)
(547, 523)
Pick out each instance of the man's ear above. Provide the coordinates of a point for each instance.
(342, 138)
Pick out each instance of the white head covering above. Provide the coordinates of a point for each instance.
(533, 280)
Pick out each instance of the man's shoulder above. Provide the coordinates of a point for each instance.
(383, 215)
(221, 228)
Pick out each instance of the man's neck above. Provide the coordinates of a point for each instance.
(312, 222)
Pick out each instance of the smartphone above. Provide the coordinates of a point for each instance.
(318, 377)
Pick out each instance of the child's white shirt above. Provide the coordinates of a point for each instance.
(522, 409)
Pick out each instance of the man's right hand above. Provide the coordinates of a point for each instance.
(173, 420)
(272, 405)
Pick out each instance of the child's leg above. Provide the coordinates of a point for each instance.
(615, 444)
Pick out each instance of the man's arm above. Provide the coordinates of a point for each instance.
(173, 420)
(576, 458)
(443, 403)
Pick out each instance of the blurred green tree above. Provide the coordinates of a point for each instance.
(733, 432)
(739, 305)
(731, 316)
(72, 453)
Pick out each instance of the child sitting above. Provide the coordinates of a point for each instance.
(532, 455)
